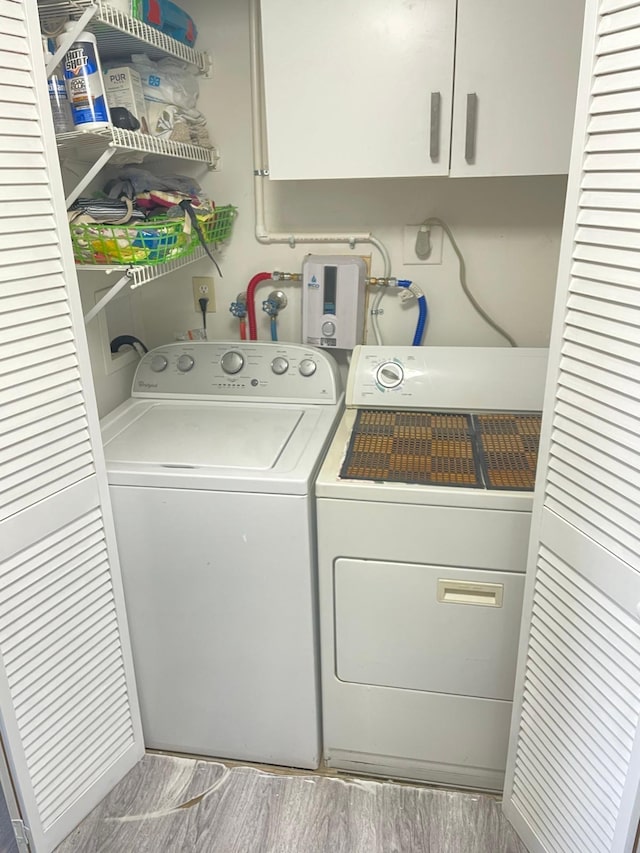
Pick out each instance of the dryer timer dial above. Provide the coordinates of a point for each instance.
(390, 374)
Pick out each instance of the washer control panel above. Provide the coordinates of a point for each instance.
(245, 370)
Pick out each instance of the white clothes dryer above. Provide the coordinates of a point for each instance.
(422, 560)
(211, 465)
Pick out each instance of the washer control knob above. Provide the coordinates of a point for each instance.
(328, 329)
(279, 365)
(159, 363)
(390, 374)
(307, 367)
(185, 363)
(232, 362)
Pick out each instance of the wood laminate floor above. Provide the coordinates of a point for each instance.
(8, 842)
(178, 805)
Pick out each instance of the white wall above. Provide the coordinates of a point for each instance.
(508, 230)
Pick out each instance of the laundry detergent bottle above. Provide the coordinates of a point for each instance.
(83, 78)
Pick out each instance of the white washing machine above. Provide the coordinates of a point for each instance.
(211, 466)
(421, 583)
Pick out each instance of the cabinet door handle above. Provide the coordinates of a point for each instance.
(472, 122)
(434, 133)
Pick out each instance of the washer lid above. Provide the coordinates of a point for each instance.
(196, 436)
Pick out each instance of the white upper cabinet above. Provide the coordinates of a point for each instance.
(516, 76)
(363, 88)
(358, 88)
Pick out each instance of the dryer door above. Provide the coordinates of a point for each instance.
(434, 628)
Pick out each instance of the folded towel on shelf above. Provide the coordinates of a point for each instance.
(132, 181)
(170, 122)
(110, 211)
(197, 125)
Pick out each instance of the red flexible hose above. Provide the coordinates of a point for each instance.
(243, 330)
(251, 307)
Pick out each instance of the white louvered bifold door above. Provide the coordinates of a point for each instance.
(573, 775)
(68, 711)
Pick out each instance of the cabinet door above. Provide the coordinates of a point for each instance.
(69, 720)
(573, 776)
(515, 86)
(358, 88)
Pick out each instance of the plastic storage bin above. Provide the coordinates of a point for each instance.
(142, 243)
(155, 241)
(216, 226)
(171, 19)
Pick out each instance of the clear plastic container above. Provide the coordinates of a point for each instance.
(58, 97)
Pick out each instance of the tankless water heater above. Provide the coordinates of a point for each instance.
(333, 299)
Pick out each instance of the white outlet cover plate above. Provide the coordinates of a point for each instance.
(204, 286)
(409, 235)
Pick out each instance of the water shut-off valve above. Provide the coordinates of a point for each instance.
(239, 307)
(274, 303)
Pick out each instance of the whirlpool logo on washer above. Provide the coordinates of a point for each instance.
(143, 384)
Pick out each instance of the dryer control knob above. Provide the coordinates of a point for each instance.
(185, 363)
(328, 329)
(390, 374)
(159, 363)
(232, 361)
(279, 365)
(307, 367)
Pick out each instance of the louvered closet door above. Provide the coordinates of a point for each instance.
(68, 712)
(573, 776)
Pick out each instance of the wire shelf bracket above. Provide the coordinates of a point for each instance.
(106, 144)
(106, 299)
(89, 176)
(87, 145)
(135, 276)
(118, 34)
(69, 38)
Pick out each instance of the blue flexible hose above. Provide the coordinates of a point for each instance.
(274, 329)
(422, 321)
(422, 315)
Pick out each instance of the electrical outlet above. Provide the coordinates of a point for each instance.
(203, 286)
(410, 233)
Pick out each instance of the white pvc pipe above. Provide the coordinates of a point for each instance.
(263, 235)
